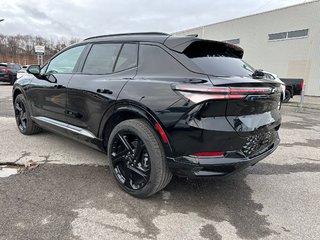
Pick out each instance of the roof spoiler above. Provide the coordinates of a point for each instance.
(181, 44)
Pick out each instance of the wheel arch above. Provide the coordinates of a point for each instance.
(130, 110)
(15, 92)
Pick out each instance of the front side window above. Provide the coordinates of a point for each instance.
(101, 58)
(66, 61)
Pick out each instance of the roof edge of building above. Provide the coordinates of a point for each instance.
(251, 15)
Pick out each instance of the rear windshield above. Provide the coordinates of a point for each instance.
(218, 59)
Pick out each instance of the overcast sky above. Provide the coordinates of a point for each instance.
(84, 18)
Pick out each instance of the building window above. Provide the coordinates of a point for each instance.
(233, 41)
(276, 36)
(299, 33)
(289, 35)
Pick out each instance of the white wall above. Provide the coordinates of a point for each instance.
(296, 58)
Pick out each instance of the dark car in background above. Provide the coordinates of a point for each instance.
(8, 72)
(156, 104)
(294, 86)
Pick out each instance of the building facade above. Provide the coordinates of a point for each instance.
(284, 41)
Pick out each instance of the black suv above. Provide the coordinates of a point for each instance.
(8, 72)
(156, 104)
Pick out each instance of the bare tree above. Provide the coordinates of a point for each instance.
(20, 48)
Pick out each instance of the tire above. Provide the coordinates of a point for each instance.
(22, 114)
(145, 148)
(287, 96)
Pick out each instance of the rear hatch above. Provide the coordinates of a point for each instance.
(253, 102)
(256, 111)
(3, 69)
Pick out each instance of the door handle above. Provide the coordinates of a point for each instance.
(106, 91)
(73, 114)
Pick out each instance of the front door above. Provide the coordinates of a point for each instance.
(48, 97)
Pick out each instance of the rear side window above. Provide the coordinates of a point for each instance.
(154, 60)
(101, 58)
(127, 58)
(218, 59)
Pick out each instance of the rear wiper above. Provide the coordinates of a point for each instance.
(258, 74)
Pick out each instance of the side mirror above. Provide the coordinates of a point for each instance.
(34, 69)
(51, 78)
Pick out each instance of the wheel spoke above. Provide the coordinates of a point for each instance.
(138, 149)
(18, 107)
(23, 123)
(127, 177)
(119, 157)
(138, 171)
(23, 117)
(125, 142)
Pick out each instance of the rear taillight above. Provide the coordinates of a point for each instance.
(5, 70)
(301, 84)
(198, 94)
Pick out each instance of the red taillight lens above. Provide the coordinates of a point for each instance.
(5, 70)
(198, 94)
(301, 84)
(208, 154)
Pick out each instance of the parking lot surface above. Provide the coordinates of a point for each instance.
(71, 193)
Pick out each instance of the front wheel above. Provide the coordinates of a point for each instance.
(137, 158)
(24, 122)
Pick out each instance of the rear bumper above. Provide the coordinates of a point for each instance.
(5, 78)
(232, 162)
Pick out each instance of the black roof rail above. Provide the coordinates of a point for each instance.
(128, 34)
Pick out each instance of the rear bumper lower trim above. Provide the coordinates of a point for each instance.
(218, 166)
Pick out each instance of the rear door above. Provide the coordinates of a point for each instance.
(93, 90)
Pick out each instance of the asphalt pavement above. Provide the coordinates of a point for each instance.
(68, 192)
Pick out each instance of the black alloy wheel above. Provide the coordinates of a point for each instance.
(130, 160)
(21, 115)
(24, 122)
(137, 159)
